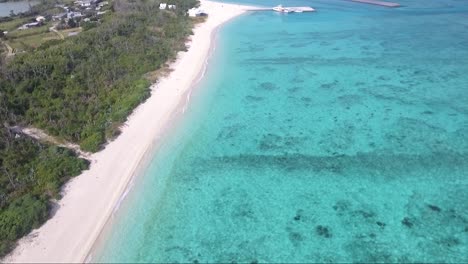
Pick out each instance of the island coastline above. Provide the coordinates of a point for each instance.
(90, 199)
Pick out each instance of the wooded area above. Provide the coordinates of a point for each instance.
(80, 89)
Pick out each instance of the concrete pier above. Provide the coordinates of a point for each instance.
(297, 9)
(380, 3)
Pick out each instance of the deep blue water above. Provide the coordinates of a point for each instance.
(336, 136)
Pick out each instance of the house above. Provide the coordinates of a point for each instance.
(59, 16)
(104, 3)
(162, 6)
(74, 15)
(40, 19)
(171, 6)
(30, 25)
(83, 3)
(195, 12)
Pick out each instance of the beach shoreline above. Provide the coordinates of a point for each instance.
(176, 118)
(90, 199)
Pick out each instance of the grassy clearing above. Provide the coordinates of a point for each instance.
(14, 24)
(28, 32)
(65, 32)
(17, 46)
(31, 41)
(28, 39)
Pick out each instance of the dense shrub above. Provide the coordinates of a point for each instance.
(19, 218)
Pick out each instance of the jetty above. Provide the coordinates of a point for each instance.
(380, 3)
(286, 9)
(301, 9)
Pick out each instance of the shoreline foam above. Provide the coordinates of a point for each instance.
(90, 199)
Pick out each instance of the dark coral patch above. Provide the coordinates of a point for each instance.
(268, 86)
(253, 98)
(323, 231)
(407, 222)
(364, 214)
(294, 89)
(329, 85)
(295, 238)
(434, 208)
(450, 242)
(298, 215)
(341, 206)
(381, 224)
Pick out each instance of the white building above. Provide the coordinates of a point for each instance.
(30, 25)
(194, 12)
(162, 6)
(59, 16)
(40, 19)
(84, 3)
(74, 15)
(171, 6)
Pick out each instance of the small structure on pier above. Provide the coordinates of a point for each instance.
(283, 9)
(380, 3)
(196, 12)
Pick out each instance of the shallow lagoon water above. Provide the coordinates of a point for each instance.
(17, 7)
(337, 136)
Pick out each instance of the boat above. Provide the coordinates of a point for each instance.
(281, 9)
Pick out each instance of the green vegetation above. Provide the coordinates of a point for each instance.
(30, 174)
(29, 39)
(32, 41)
(9, 24)
(79, 89)
(28, 32)
(58, 88)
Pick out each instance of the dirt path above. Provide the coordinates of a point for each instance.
(57, 32)
(9, 49)
(42, 136)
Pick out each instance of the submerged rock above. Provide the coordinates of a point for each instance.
(381, 224)
(407, 222)
(434, 208)
(323, 231)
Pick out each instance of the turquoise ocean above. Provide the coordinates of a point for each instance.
(334, 136)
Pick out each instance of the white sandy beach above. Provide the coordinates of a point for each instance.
(90, 198)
